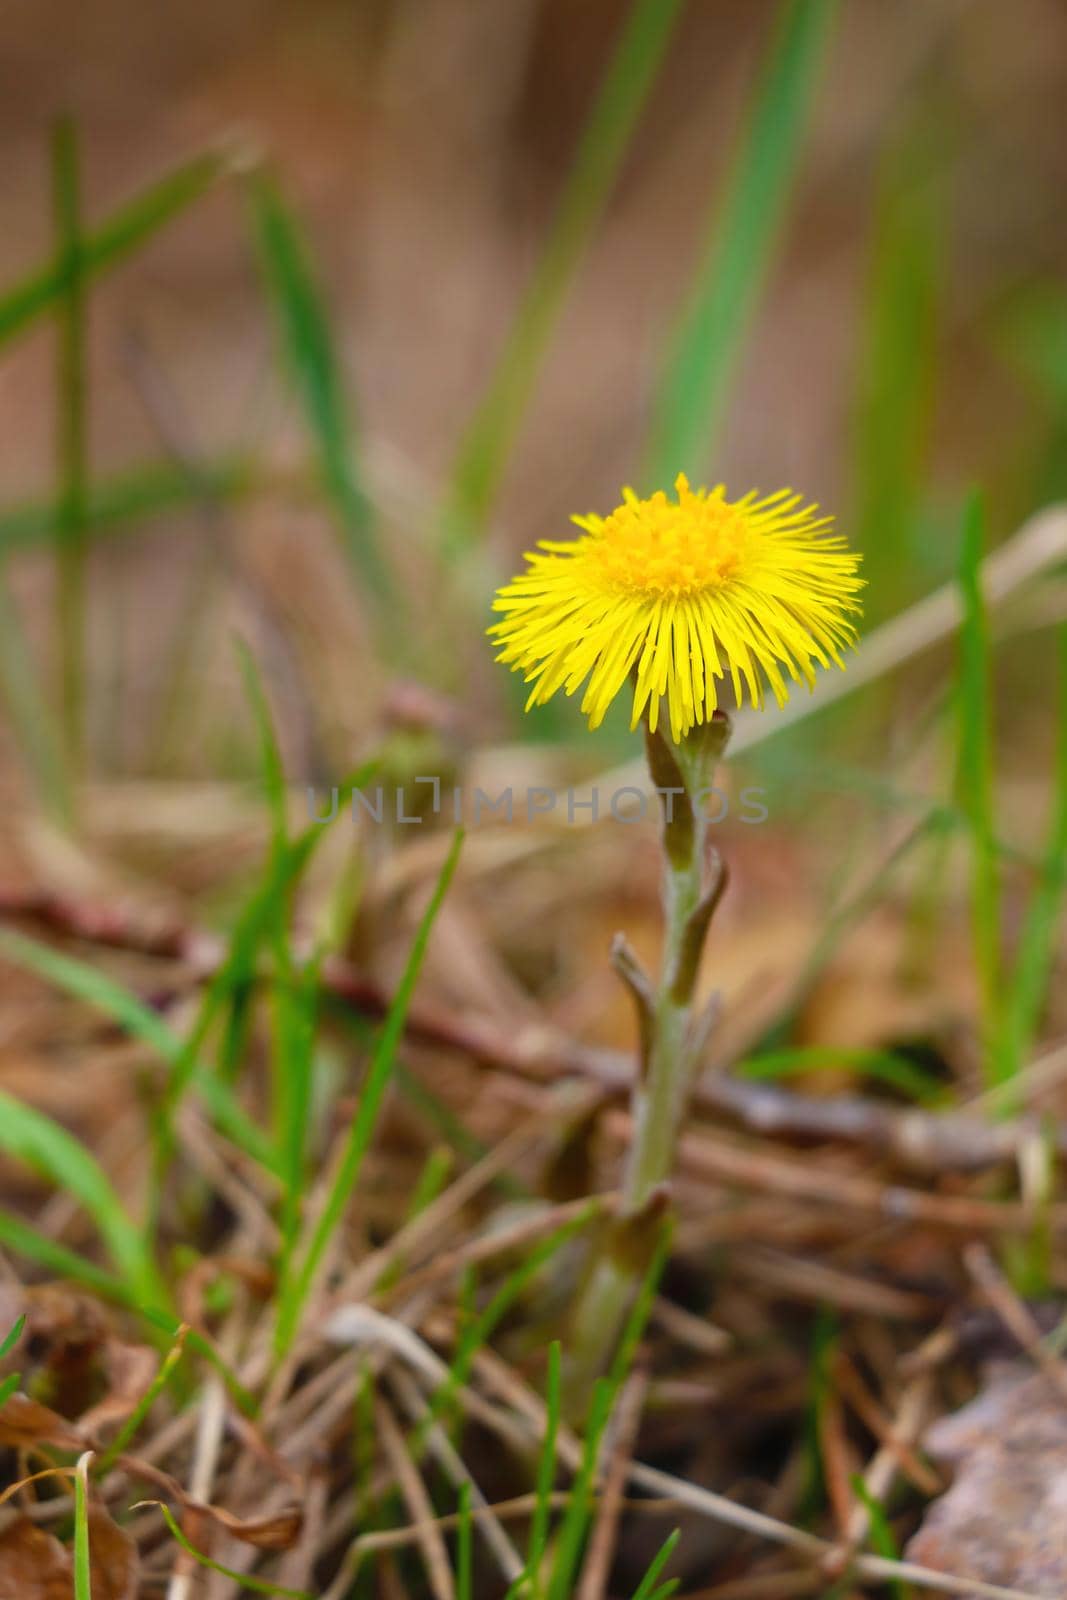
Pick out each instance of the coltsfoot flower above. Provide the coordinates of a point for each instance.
(677, 594)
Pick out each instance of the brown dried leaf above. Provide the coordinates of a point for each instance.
(65, 1332)
(67, 1321)
(1002, 1520)
(130, 1369)
(277, 1532)
(33, 1564)
(25, 1422)
(113, 1558)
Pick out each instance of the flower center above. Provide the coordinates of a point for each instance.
(657, 547)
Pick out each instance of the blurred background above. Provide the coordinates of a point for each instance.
(313, 318)
(317, 316)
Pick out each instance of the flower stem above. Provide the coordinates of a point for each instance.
(691, 890)
(660, 1094)
(671, 1037)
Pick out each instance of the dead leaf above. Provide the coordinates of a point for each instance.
(33, 1564)
(277, 1532)
(67, 1322)
(60, 1351)
(113, 1558)
(1002, 1520)
(25, 1422)
(129, 1369)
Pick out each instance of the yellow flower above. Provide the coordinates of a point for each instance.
(676, 594)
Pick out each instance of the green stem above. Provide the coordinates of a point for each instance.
(681, 774)
(71, 547)
(659, 1098)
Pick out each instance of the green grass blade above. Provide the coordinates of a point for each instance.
(974, 696)
(31, 718)
(878, 1065)
(311, 358)
(244, 1580)
(295, 990)
(1038, 940)
(83, 1578)
(546, 1467)
(141, 1022)
(126, 1432)
(647, 1586)
(11, 1338)
(1033, 335)
(477, 1330)
(440, 1116)
(85, 983)
(71, 439)
(640, 1311)
(284, 865)
(487, 443)
(436, 1171)
(824, 1342)
(131, 226)
(57, 1260)
(896, 379)
(230, 985)
(1032, 338)
(294, 1293)
(272, 768)
(203, 1346)
(127, 501)
(295, 1002)
(708, 338)
(182, 1056)
(576, 1518)
(881, 1534)
(30, 1136)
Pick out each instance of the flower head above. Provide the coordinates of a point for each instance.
(676, 594)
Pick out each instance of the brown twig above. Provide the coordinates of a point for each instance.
(486, 1247)
(454, 1468)
(805, 1278)
(719, 1508)
(838, 1461)
(420, 1507)
(896, 1435)
(752, 1168)
(1014, 1315)
(923, 1141)
(519, 1507)
(895, 1452)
